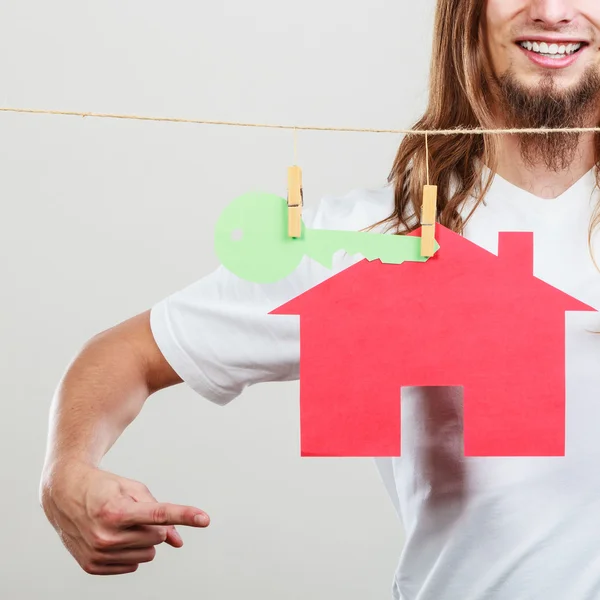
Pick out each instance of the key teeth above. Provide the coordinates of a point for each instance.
(370, 257)
(386, 261)
(327, 263)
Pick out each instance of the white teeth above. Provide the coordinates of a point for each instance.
(553, 50)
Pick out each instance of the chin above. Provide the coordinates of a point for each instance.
(559, 80)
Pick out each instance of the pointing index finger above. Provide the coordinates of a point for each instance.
(164, 513)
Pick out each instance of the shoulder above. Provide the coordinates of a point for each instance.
(353, 210)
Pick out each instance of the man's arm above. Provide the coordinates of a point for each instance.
(109, 524)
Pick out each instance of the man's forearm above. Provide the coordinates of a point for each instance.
(109, 524)
(102, 391)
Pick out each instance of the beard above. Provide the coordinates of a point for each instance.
(547, 106)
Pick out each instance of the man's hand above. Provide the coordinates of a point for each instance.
(110, 524)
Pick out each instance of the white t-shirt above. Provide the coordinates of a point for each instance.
(477, 527)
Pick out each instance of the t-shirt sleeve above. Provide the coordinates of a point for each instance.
(218, 335)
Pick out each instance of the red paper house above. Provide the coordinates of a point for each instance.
(466, 318)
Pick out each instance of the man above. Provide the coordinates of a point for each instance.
(494, 528)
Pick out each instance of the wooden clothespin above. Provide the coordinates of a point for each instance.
(295, 201)
(428, 212)
(428, 218)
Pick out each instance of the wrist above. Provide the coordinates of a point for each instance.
(58, 469)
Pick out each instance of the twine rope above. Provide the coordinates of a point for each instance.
(295, 146)
(427, 158)
(455, 131)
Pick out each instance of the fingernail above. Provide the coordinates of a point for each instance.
(200, 520)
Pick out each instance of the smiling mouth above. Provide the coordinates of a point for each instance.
(552, 50)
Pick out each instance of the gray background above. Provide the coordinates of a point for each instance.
(101, 219)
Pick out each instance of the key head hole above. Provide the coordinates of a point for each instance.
(237, 235)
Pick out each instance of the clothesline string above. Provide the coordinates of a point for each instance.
(455, 131)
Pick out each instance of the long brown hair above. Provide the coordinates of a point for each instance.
(460, 96)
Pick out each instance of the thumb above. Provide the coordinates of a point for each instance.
(173, 538)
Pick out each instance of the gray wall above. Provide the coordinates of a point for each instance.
(101, 218)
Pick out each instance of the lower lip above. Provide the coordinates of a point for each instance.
(552, 63)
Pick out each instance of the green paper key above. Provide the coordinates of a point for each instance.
(251, 241)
